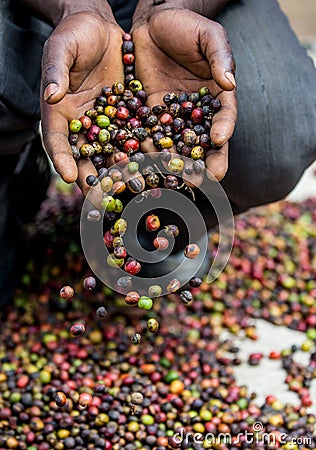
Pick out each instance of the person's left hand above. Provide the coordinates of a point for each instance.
(181, 51)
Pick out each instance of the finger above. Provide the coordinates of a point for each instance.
(55, 137)
(147, 146)
(215, 46)
(217, 163)
(224, 121)
(57, 60)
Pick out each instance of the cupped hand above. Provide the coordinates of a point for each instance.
(82, 55)
(181, 51)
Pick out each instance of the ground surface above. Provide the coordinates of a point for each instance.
(286, 232)
(204, 345)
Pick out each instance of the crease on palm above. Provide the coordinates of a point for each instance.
(174, 68)
(197, 62)
(79, 78)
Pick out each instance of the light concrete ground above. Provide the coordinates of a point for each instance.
(302, 17)
(306, 188)
(301, 14)
(268, 377)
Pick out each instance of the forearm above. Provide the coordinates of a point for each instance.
(207, 8)
(53, 11)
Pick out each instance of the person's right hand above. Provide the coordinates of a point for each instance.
(82, 55)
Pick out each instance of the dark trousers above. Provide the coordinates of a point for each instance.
(275, 136)
(21, 40)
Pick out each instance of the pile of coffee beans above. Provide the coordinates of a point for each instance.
(102, 391)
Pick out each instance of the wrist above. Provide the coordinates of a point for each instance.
(56, 10)
(100, 7)
(146, 8)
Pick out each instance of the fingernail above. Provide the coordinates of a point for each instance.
(230, 77)
(50, 90)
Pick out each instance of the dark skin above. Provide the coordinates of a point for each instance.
(78, 90)
(179, 50)
(82, 55)
(73, 75)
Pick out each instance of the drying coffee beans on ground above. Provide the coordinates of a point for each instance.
(185, 373)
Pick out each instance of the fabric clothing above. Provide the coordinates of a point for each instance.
(24, 180)
(21, 40)
(10, 232)
(275, 136)
(123, 11)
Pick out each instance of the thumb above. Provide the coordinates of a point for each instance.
(57, 60)
(215, 46)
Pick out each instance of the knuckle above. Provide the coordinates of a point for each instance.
(220, 32)
(48, 66)
(50, 45)
(216, 26)
(54, 47)
(49, 69)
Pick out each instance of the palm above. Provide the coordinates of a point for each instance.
(163, 66)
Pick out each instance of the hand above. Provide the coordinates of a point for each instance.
(82, 55)
(179, 50)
